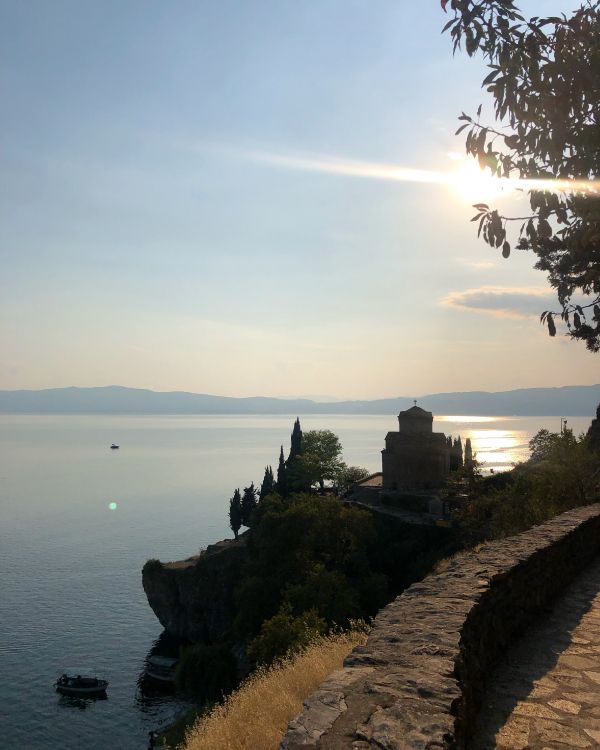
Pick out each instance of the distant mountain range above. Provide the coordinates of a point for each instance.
(572, 400)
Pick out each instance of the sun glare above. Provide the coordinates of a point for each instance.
(476, 185)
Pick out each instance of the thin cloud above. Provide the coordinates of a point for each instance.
(502, 302)
(479, 265)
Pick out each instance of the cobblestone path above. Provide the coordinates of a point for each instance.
(546, 691)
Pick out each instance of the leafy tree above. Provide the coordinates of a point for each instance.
(282, 483)
(235, 513)
(542, 445)
(543, 79)
(302, 549)
(321, 457)
(285, 633)
(349, 475)
(327, 592)
(248, 504)
(268, 483)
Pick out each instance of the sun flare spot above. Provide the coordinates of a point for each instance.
(475, 185)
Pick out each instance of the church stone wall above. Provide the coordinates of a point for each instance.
(415, 461)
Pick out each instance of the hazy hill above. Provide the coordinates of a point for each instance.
(577, 400)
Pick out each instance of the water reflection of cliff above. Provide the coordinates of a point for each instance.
(153, 694)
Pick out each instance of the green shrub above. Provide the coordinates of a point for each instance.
(285, 634)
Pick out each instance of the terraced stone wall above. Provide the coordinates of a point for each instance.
(418, 681)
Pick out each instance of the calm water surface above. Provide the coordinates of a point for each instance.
(71, 596)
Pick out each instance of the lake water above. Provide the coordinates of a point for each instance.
(78, 521)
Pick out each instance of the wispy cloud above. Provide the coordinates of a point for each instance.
(479, 265)
(502, 302)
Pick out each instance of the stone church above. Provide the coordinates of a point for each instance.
(415, 457)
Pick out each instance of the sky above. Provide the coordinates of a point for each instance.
(195, 196)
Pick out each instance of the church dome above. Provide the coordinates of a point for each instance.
(415, 419)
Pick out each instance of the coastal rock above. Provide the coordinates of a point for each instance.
(193, 598)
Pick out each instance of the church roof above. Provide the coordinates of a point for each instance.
(416, 412)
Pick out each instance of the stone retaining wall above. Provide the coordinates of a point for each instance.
(418, 681)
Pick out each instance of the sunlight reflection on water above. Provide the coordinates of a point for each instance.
(500, 442)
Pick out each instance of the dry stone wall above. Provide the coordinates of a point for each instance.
(418, 681)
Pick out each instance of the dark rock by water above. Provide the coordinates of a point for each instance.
(193, 598)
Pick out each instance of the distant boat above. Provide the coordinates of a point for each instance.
(114, 447)
(80, 686)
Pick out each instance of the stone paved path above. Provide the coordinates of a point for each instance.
(546, 692)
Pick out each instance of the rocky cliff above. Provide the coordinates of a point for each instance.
(193, 598)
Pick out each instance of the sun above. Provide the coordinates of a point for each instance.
(475, 185)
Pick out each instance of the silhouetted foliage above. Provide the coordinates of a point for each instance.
(320, 460)
(282, 480)
(296, 440)
(312, 553)
(543, 78)
(349, 475)
(284, 633)
(558, 476)
(248, 504)
(268, 483)
(235, 513)
(542, 445)
(296, 481)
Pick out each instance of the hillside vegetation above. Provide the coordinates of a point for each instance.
(256, 715)
(561, 473)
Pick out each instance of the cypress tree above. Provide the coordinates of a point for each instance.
(468, 455)
(235, 512)
(296, 442)
(294, 471)
(459, 451)
(268, 483)
(282, 484)
(248, 504)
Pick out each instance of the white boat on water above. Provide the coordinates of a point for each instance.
(161, 668)
(80, 686)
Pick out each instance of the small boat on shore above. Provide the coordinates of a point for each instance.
(161, 668)
(80, 687)
(114, 447)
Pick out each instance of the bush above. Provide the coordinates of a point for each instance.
(558, 476)
(151, 566)
(285, 634)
